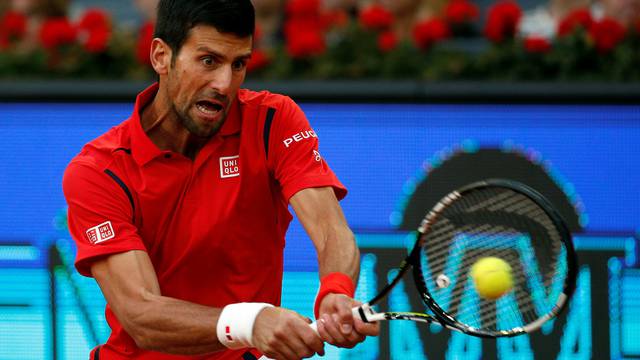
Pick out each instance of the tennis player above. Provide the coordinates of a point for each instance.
(180, 212)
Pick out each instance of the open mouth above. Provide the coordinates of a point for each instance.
(209, 108)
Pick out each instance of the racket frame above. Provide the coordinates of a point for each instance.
(412, 261)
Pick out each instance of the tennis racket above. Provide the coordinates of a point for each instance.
(493, 218)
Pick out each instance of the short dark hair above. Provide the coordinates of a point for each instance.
(177, 17)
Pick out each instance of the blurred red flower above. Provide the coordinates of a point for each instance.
(94, 30)
(376, 17)
(303, 8)
(56, 32)
(538, 45)
(143, 46)
(503, 19)
(461, 11)
(580, 18)
(13, 26)
(259, 59)
(607, 34)
(257, 34)
(293, 26)
(94, 19)
(387, 41)
(429, 32)
(306, 43)
(337, 18)
(97, 41)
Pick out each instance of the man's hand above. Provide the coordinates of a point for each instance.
(337, 326)
(283, 334)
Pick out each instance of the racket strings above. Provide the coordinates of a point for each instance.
(444, 227)
(464, 312)
(442, 245)
(501, 223)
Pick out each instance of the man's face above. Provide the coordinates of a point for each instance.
(204, 78)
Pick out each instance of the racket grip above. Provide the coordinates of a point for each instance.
(363, 312)
(314, 327)
(359, 312)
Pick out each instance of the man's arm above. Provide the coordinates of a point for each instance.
(319, 212)
(159, 323)
(155, 322)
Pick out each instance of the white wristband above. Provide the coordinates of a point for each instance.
(235, 324)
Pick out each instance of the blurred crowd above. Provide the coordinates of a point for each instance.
(303, 28)
(25, 20)
(546, 19)
(539, 17)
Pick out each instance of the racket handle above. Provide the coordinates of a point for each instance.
(314, 327)
(356, 314)
(364, 312)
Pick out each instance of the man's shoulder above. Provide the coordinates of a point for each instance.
(99, 152)
(264, 98)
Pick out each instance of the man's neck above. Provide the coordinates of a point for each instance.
(166, 131)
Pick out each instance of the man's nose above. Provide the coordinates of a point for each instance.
(221, 81)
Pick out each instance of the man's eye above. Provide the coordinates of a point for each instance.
(207, 60)
(239, 65)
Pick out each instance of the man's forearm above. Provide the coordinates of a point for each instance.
(173, 326)
(339, 253)
(319, 212)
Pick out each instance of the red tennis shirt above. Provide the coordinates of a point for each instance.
(213, 227)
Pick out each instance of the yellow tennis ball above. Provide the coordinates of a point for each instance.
(491, 277)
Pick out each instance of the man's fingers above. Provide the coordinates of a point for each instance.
(339, 327)
(312, 342)
(281, 350)
(286, 336)
(353, 337)
(348, 338)
(306, 341)
(346, 319)
(285, 354)
(333, 327)
(324, 333)
(368, 329)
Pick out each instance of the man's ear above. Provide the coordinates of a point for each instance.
(160, 56)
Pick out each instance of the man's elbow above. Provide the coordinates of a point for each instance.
(144, 342)
(136, 316)
(140, 332)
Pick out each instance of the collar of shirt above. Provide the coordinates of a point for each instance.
(144, 150)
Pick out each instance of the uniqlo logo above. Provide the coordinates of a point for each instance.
(229, 166)
(100, 233)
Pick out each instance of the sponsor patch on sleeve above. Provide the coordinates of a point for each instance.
(302, 135)
(100, 233)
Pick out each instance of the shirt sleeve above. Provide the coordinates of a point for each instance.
(99, 215)
(296, 161)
